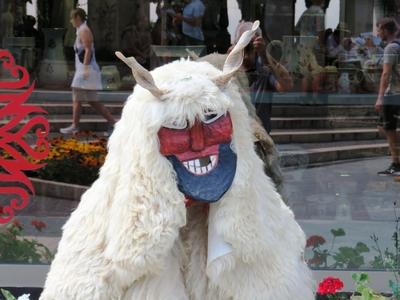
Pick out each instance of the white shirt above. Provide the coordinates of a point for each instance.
(194, 9)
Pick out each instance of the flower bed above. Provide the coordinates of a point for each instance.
(15, 248)
(320, 255)
(74, 160)
(330, 289)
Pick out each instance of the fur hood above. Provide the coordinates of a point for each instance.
(127, 226)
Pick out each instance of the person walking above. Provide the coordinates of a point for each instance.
(388, 101)
(191, 19)
(87, 78)
(312, 21)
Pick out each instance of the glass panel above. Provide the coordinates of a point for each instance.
(311, 78)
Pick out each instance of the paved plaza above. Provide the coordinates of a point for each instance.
(346, 195)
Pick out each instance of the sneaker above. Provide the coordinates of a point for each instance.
(69, 130)
(394, 169)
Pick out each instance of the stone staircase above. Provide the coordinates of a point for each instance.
(309, 135)
(306, 134)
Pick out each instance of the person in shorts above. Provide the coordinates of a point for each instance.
(265, 75)
(388, 101)
(87, 78)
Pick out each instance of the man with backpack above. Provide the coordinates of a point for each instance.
(388, 102)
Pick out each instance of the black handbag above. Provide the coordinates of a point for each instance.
(81, 55)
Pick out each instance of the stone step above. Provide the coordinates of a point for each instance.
(322, 110)
(277, 110)
(66, 108)
(97, 123)
(307, 155)
(292, 98)
(282, 136)
(88, 123)
(281, 111)
(93, 123)
(93, 135)
(329, 122)
(42, 95)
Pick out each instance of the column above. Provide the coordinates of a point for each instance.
(278, 18)
(355, 9)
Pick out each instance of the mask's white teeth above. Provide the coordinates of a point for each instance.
(213, 159)
(194, 166)
(198, 171)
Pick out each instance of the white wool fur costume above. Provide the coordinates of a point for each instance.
(131, 237)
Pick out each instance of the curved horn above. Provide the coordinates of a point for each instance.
(192, 54)
(235, 59)
(141, 75)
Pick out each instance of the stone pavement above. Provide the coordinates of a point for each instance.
(346, 195)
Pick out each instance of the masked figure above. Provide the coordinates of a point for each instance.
(182, 209)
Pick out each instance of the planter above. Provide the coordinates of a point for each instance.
(373, 298)
(59, 190)
(54, 68)
(350, 297)
(33, 292)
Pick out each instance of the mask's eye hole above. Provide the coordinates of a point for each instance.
(175, 124)
(211, 117)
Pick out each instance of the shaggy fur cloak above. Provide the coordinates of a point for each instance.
(132, 238)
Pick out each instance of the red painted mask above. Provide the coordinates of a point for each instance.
(189, 143)
(201, 156)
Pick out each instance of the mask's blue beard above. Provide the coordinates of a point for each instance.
(209, 187)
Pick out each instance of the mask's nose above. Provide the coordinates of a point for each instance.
(197, 136)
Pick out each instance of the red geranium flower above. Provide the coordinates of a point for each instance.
(1, 210)
(330, 286)
(39, 225)
(17, 223)
(315, 241)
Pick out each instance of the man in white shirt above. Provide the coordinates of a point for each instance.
(388, 101)
(191, 22)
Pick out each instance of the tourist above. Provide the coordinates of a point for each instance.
(312, 21)
(388, 101)
(264, 73)
(87, 78)
(191, 19)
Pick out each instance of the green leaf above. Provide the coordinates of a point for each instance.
(8, 295)
(363, 277)
(355, 276)
(355, 262)
(361, 247)
(366, 295)
(347, 252)
(338, 232)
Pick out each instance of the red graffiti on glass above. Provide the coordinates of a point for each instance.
(16, 154)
